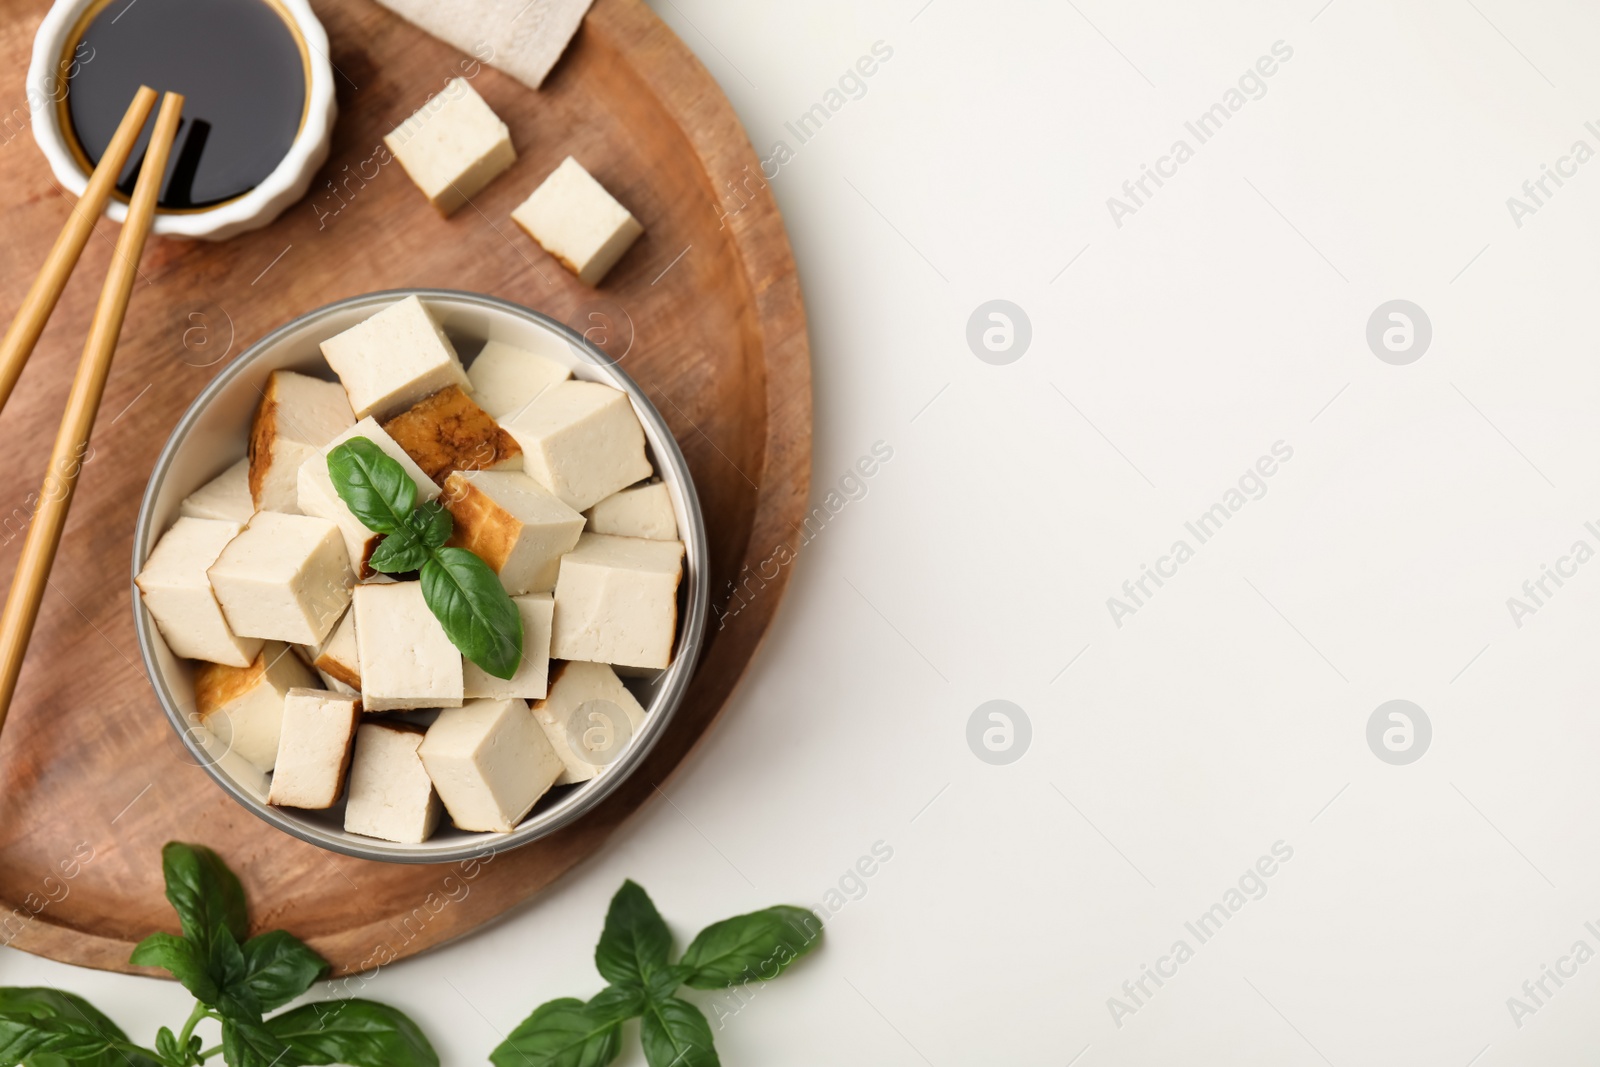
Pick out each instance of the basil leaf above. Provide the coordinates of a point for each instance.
(64, 1030)
(228, 970)
(375, 488)
(756, 946)
(204, 893)
(179, 957)
(561, 1033)
(635, 942)
(665, 982)
(617, 1003)
(398, 553)
(251, 1044)
(675, 1034)
(361, 1033)
(472, 606)
(433, 524)
(279, 967)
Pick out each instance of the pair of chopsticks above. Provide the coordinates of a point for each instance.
(55, 497)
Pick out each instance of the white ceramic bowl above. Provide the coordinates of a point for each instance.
(284, 186)
(212, 436)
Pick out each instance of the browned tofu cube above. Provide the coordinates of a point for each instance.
(448, 432)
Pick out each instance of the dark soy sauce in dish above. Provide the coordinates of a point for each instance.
(238, 64)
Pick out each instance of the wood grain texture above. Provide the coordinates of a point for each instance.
(88, 765)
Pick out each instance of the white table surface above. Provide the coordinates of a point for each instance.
(1227, 313)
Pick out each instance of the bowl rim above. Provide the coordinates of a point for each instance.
(287, 182)
(674, 681)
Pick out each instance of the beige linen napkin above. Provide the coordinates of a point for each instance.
(524, 38)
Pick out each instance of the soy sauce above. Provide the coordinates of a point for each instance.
(238, 64)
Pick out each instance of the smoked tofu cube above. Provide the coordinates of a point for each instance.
(337, 657)
(644, 511)
(393, 359)
(530, 680)
(284, 578)
(609, 719)
(448, 432)
(318, 496)
(581, 441)
(574, 219)
(617, 601)
(504, 378)
(519, 528)
(297, 415)
(314, 745)
(226, 497)
(391, 796)
(406, 659)
(177, 593)
(490, 762)
(453, 146)
(242, 707)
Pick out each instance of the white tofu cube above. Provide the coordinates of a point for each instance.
(177, 593)
(391, 796)
(490, 763)
(617, 601)
(337, 657)
(226, 497)
(242, 707)
(530, 680)
(504, 378)
(452, 146)
(644, 511)
(518, 527)
(581, 441)
(297, 415)
(314, 745)
(574, 219)
(284, 578)
(607, 723)
(393, 359)
(318, 497)
(406, 659)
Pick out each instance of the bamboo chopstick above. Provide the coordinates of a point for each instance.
(36, 307)
(44, 533)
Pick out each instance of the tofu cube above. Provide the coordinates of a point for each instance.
(574, 219)
(242, 707)
(284, 578)
(406, 659)
(581, 441)
(391, 796)
(448, 432)
(337, 657)
(519, 528)
(609, 719)
(297, 415)
(314, 745)
(393, 359)
(452, 146)
(318, 497)
(504, 378)
(530, 680)
(617, 601)
(226, 497)
(643, 511)
(177, 593)
(490, 762)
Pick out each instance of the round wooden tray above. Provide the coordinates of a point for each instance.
(92, 780)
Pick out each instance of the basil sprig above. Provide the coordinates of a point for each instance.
(634, 955)
(459, 588)
(234, 979)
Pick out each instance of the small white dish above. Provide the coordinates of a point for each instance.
(286, 184)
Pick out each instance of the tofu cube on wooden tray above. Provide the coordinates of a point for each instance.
(335, 687)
